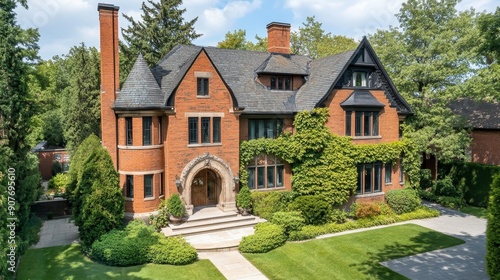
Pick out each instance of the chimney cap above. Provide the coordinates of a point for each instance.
(278, 23)
(104, 6)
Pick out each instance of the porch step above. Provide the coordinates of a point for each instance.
(204, 225)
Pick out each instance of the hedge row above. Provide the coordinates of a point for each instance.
(267, 237)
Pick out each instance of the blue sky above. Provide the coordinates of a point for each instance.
(66, 23)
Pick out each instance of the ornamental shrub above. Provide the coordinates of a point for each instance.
(493, 231)
(56, 168)
(367, 210)
(175, 206)
(59, 182)
(314, 209)
(244, 199)
(338, 216)
(161, 220)
(445, 187)
(290, 221)
(125, 247)
(172, 250)
(267, 237)
(265, 204)
(403, 201)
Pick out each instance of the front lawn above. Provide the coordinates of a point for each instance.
(350, 256)
(67, 262)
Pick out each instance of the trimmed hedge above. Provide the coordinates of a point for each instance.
(314, 209)
(493, 231)
(172, 250)
(267, 237)
(311, 231)
(403, 201)
(475, 180)
(290, 221)
(265, 204)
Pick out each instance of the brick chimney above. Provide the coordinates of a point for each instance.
(110, 73)
(278, 37)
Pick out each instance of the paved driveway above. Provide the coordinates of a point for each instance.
(57, 232)
(466, 261)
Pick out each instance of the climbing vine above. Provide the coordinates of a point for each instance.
(323, 163)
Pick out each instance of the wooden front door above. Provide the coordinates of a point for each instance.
(205, 188)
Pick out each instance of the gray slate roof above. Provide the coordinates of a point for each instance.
(479, 114)
(140, 90)
(148, 89)
(361, 98)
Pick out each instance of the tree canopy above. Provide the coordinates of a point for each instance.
(161, 28)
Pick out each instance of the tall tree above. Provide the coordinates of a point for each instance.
(17, 47)
(433, 50)
(312, 40)
(81, 98)
(237, 40)
(161, 28)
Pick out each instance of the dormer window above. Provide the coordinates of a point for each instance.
(359, 79)
(281, 83)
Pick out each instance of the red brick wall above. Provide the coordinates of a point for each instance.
(178, 152)
(45, 162)
(485, 147)
(278, 37)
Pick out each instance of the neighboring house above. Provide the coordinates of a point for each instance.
(47, 155)
(483, 118)
(177, 127)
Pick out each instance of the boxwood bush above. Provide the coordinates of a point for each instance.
(315, 210)
(172, 250)
(267, 237)
(265, 204)
(403, 201)
(493, 231)
(290, 221)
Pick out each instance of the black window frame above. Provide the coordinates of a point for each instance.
(369, 178)
(148, 188)
(388, 173)
(129, 132)
(160, 130)
(193, 130)
(202, 87)
(162, 185)
(147, 131)
(265, 128)
(129, 186)
(281, 83)
(366, 123)
(216, 129)
(205, 130)
(259, 173)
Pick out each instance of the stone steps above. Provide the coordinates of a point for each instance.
(210, 224)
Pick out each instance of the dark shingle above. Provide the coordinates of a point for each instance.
(361, 98)
(281, 64)
(479, 114)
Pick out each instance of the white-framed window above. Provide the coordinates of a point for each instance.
(359, 79)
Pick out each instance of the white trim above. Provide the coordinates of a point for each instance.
(204, 145)
(370, 195)
(149, 198)
(203, 114)
(149, 147)
(151, 172)
(366, 137)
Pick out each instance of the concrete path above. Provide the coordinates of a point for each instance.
(466, 261)
(233, 265)
(57, 232)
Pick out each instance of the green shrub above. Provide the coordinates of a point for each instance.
(267, 237)
(290, 221)
(403, 201)
(175, 206)
(451, 202)
(172, 250)
(56, 168)
(244, 199)
(493, 231)
(314, 210)
(265, 204)
(125, 247)
(367, 210)
(161, 219)
(59, 182)
(425, 178)
(338, 216)
(446, 187)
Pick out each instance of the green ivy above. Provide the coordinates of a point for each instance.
(323, 163)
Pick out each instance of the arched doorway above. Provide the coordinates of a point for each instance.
(205, 188)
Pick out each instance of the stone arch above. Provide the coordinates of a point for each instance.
(227, 196)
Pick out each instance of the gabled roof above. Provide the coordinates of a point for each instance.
(239, 70)
(140, 90)
(478, 114)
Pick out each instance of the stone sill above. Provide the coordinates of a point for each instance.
(204, 145)
(366, 137)
(149, 147)
(370, 195)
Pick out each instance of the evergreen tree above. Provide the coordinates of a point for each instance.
(493, 231)
(17, 48)
(81, 110)
(433, 50)
(311, 40)
(161, 28)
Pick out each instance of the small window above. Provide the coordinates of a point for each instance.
(369, 178)
(264, 128)
(216, 130)
(146, 131)
(401, 171)
(202, 87)
(193, 130)
(128, 131)
(281, 82)
(348, 118)
(160, 130)
(162, 191)
(388, 173)
(129, 186)
(205, 130)
(148, 186)
(359, 79)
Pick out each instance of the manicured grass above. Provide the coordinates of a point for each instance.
(67, 262)
(475, 211)
(351, 256)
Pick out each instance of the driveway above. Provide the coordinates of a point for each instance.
(466, 261)
(57, 232)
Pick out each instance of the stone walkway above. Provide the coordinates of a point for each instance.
(233, 265)
(57, 232)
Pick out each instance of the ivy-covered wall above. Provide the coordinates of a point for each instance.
(323, 163)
